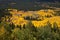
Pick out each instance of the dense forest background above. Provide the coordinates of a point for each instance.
(30, 4)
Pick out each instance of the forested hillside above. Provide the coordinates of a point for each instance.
(42, 24)
(29, 19)
(30, 4)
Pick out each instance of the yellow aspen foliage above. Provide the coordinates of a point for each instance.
(2, 30)
(18, 20)
(45, 12)
(55, 19)
(44, 22)
(39, 23)
(28, 13)
(51, 11)
(14, 11)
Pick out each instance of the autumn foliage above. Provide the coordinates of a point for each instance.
(29, 25)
